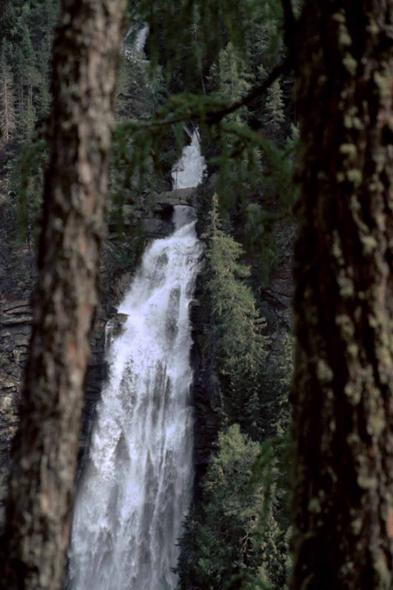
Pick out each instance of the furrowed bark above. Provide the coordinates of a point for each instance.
(343, 387)
(44, 454)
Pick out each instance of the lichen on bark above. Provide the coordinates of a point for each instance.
(44, 454)
(343, 414)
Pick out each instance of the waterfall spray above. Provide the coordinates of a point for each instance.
(136, 487)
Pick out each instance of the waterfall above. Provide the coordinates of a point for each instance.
(136, 486)
(189, 170)
(134, 53)
(141, 39)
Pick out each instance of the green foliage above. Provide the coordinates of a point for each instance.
(44, 97)
(139, 91)
(271, 470)
(274, 115)
(28, 180)
(220, 38)
(264, 42)
(237, 534)
(230, 77)
(241, 350)
(28, 80)
(202, 27)
(225, 538)
(286, 367)
(279, 197)
(27, 41)
(7, 100)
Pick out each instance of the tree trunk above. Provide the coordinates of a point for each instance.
(343, 385)
(44, 453)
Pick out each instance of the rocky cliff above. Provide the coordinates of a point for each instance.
(17, 275)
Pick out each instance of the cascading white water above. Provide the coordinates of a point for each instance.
(135, 52)
(189, 170)
(136, 487)
(141, 39)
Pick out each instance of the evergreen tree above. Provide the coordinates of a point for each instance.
(30, 114)
(19, 83)
(31, 79)
(263, 42)
(274, 110)
(237, 325)
(50, 9)
(230, 76)
(252, 415)
(7, 104)
(225, 539)
(43, 66)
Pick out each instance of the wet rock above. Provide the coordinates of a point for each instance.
(180, 196)
(153, 212)
(115, 326)
(196, 316)
(155, 228)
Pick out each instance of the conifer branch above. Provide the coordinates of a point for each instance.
(215, 116)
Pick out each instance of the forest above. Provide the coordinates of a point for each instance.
(260, 293)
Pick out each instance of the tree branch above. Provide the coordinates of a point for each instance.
(214, 117)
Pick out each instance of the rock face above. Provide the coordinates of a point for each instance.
(15, 329)
(96, 375)
(154, 213)
(205, 390)
(180, 196)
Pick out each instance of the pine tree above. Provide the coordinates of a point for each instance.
(226, 539)
(252, 414)
(50, 15)
(30, 113)
(7, 104)
(230, 77)
(274, 110)
(30, 79)
(242, 351)
(44, 97)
